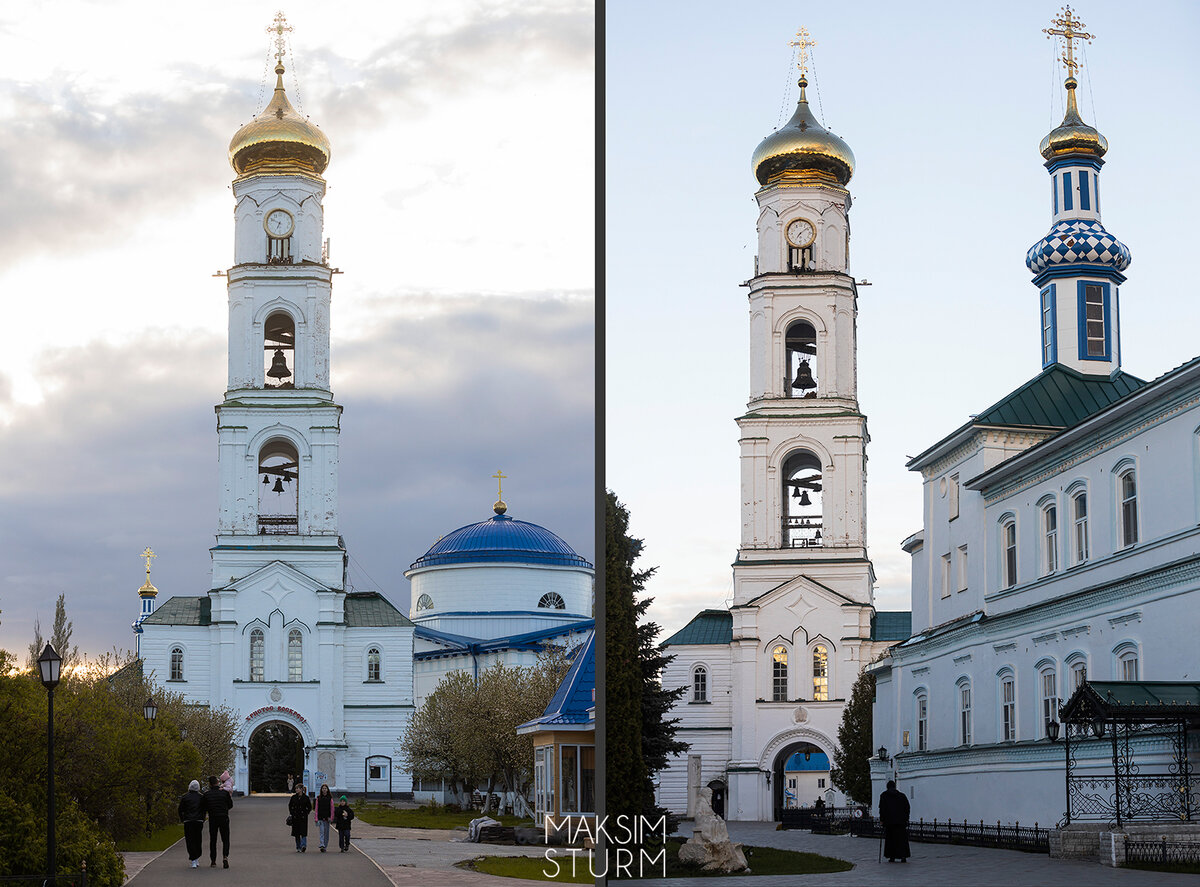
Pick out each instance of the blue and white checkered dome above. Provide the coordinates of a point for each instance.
(1077, 241)
(501, 539)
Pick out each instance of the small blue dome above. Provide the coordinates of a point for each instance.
(818, 761)
(1077, 241)
(501, 539)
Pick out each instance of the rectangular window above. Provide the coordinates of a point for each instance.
(922, 723)
(1067, 205)
(1049, 346)
(1078, 675)
(1010, 554)
(1096, 189)
(1049, 700)
(952, 496)
(1085, 200)
(587, 779)
(1008, 695)
(965, 714)
(1080, 547)
(1056, 195)
(820, 782)
(1050, 520)
(1094, 327)
(1128, 486)
(700, 685)
(569, 774)
(962, 568)
(945, 575)
(1129, 667)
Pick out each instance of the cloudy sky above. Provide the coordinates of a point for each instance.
(943, 104)
(460, 209)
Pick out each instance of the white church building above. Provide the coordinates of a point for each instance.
(1061, 545)
(278, 637)
(768, 678)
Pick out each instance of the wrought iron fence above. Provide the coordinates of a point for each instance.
(842, 821)
(68, 879)
(1162, 852)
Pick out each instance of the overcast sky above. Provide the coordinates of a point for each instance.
(943, 104)
(460, 209)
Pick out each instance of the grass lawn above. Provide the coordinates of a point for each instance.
(425, 817)
(762, 861)
(160, 840)
(531, 868)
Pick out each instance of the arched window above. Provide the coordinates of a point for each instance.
(177, 663)
(279, 492)
(820, 673)
(295, 655)
(801, 493)
(1048, 692)
(551, 600)
(700, 684)
(1008, 706)
(1078, 667)
(779, 681)
(801, 372)
(1049, 538)
(1127, 490)
(424, 602)
(1079, 529)
(1127, 662)
(964, 712)
(257, 654)
(373, 669)
(1008, 551)
(922, 722)
(279, 351)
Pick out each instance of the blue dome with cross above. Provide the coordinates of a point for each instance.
(501, 539)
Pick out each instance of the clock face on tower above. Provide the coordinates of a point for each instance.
(800, 232)
(279, 223)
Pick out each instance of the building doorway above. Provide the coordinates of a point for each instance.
(799, 776)
(276, 751)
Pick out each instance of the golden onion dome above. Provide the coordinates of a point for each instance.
(148, 590)
(279, 140)
(804, 146)
(1073, 136)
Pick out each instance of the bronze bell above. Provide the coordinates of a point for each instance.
(266, 480)
(804, 378)
(796, 493)
(804, 500)
(279, 368)
(278, 488)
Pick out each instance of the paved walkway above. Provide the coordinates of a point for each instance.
(932, 864)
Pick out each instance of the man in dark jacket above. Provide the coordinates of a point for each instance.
(217, 804)
(893, 816)
(299, 807)
(191, 814)
(342, 817)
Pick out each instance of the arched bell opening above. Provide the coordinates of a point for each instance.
(276, 752)
(279, 351)
(279, 489)
(801, 379)
(802, 485)
(801, 777)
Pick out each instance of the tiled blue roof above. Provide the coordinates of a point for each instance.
(501, 539)
(574, 701)
(891, 625)
(707, 627)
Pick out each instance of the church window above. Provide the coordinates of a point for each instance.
(257, 654)
(802, 512)
(779, 681)
(1127, 488)
(700, 684)
(1079, 518)
(279, 351)
(177, 663)
(1008, 708)
(279, 492)
(1067, 203)
(295, 655)
(373, 660)
(1008, 547)
(922, 722)
(424, 602)
(1048, 681)
(800, 372)
(551, 600)
(1093, 321)
(1085, 201)
(1127, 662)
(820, 673)
(964, 712)
(1049, 538)
(1049, 320)
(1056, 195)
(1078, 667)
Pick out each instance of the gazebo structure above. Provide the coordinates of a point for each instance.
(1146, 724)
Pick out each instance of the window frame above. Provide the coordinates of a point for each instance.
(946, 577)
(1124, 653)
(175, 663)
(1008, 551)
(1050, 524)
(374, 664)
(295, 663)
(551, 600)
(820, 691)
(1049, 699)
(1085, 337)
(779, 673)
(259, 636)
(1049, 324)
(965, 732)
(1080, 540)
(700, 684)
(1008, 705)
(1127, 506)
(962, 568)
(922, 705)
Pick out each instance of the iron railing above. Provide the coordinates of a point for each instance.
(1162, 852)
(842, 821)
(278, 524)
(66, 879)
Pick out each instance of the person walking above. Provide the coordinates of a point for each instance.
(342, 817)
(893, 816)
(299, 806)
(323, 811)
(191, 814)
(217, 804)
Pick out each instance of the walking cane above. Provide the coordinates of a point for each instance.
(881, 846)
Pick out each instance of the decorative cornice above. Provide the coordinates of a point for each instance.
(1046, 637)
(1125, 618)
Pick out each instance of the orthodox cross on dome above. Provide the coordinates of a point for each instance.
(147, 554)
(1070, 29)
(279, 28)
(803, 42)
(499, 507)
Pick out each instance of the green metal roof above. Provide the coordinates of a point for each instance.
(891, 625)
(706, 627)
(1139, 700)
(182, 611)
(1059, 397)
(370, 609)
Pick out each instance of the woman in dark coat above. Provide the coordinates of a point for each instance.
(893, 816)
(191, 814)
(299, 806)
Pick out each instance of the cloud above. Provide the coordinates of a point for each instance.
(121, 453)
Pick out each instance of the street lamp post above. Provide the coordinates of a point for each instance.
(50, 665)
(149, 712)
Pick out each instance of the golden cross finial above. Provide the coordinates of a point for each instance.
(280, 28)
(1070, 28)
(499, 475)
(147, 554)
(804, 43)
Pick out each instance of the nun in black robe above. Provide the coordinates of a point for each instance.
(893, 816)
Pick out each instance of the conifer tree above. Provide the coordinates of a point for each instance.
(851, 772)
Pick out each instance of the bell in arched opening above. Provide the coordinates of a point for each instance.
(278, 488)
(279, 368)
(804, 378)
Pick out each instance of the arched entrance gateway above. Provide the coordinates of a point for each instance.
(276, 750)
(799, 775)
